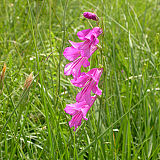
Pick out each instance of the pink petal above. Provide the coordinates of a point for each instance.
(95, 73)
(67, 69)
(81, 34)
(70, 109)
(85, 111)
(86, 63)
(96, 90)
(85, 93)
(71, 53)
(81, 81)
(85, 45)
(96, 42)
(76, 71)
(92, 49)
(74, 67)
(87, 52)
(74, 108)
(86, 48)
(76, 120)
(95, 32)
(75, 44)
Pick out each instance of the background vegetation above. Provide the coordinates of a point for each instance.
(124, 123)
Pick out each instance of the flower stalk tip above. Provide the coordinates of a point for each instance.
(90, 15)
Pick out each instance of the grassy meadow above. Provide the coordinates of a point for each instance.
(123, 123)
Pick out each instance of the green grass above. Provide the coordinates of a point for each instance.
(124, 123)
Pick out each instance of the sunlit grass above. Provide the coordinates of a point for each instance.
(124, 123)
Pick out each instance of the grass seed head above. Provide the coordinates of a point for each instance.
(2, 77)
(28, 81)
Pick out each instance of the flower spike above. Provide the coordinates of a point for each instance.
(78, 54)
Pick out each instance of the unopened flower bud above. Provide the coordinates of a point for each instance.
(90, 15)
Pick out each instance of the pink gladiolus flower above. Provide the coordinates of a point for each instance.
(74, 67)
(78, 111)
(84, 49)
(90, 82)
(88, 47)
(90, 15)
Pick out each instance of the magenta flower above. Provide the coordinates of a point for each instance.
(84, 49)
(90, 82)
(90, 15)
(78, 111)
(71, 53)
(89, 34)
(74, 67)
(88, 47)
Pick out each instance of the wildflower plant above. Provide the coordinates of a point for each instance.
(78, 54)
